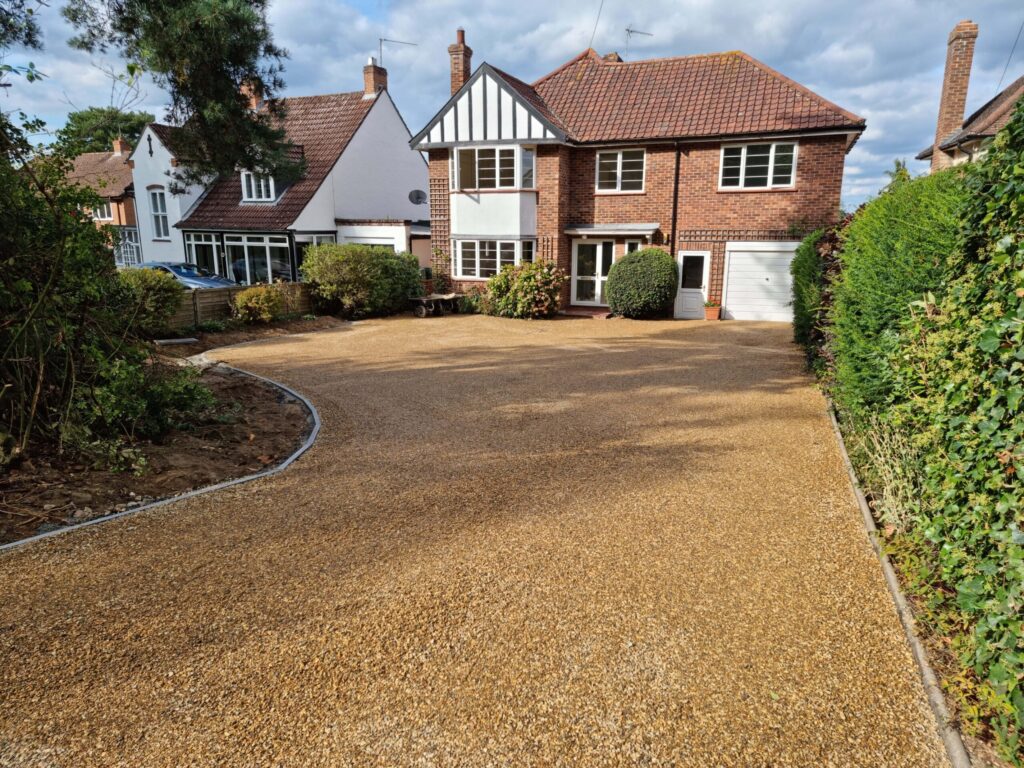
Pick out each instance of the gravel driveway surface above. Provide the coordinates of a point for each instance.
(579, 542)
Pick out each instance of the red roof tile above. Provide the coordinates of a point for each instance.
(320, 127)
(720, 94)
(105, 173)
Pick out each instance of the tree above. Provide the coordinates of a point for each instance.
(94, 128)
(203, 52)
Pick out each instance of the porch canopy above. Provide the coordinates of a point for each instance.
(613, 230)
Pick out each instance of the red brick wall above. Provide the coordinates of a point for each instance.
(440, 245)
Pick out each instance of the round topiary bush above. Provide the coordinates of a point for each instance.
(642, 284)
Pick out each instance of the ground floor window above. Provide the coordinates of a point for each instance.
(204, 250)
(485, 258)
(255, 259)
(302, 244)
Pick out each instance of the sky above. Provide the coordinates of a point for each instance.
(881, 59)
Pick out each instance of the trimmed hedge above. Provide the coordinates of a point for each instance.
(530, 291)
(361, 280)
(808, 283)
(259, 304)
(154, 297)
(642, 284)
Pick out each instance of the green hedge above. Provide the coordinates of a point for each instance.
(894, 250)
(642, 284)
(529, 291)
(154, 297)
(259, 304)
(808, 283)
(361, 280)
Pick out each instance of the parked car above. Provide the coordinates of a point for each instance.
(189, 275)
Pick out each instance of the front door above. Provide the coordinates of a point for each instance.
(693, 282)
(591, 262)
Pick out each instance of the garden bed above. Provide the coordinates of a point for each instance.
(253, 426)
(237, 334)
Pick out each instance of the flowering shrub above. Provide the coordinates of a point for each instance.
(532, 291)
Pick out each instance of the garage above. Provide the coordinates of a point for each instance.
(758, 285)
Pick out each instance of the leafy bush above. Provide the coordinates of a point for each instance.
(474, 301)
(642, 284)
(808, 281)
(529, 291)
(894, 250)
(961, 376)
(361, 280)
(259, 304)
(154, 297)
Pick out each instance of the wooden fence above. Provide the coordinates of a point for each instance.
(202, 304)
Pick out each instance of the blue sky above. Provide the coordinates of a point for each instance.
(882, 59)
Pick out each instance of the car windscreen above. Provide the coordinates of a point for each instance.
(189, 270)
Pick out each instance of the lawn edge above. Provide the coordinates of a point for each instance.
(951, 738)
(199, 361)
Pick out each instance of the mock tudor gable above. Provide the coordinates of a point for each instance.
(491, 106)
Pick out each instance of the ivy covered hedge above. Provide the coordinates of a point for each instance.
(922, 351)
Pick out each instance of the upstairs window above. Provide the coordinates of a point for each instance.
(158, 209)
(487, 168)
(256, 188)
(528, 162)
(758, 166)
(102, 211)
(621, 171)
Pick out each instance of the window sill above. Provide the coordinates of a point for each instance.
(732, 190)
(471, 279)
(491, 191)
(160, 240)
(617, 193)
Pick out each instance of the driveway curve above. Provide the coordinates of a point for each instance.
(578, 542)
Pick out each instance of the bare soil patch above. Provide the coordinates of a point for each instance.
(240, 335)
(254, 426)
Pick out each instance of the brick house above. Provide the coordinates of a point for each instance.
(361, 184)
(959, 140)
(718, 159)
(109, 175)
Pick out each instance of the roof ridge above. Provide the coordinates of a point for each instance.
(1019, 82)
(587, 53)
(800, 88)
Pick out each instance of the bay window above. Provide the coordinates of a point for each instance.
(485, 258)
(758, 166)
(621, 170)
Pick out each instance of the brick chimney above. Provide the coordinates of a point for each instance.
(462, 58)
(254, 98)
(121, 147)
(375, 79)
(959, 55)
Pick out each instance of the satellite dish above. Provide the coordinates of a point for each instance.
(417, 197)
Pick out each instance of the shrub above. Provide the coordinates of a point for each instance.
(529, 291)
(154, 297)
(642, 284)
(894, 250)
(259, 304)
(474, 301)
(361, 280)
(808, 281)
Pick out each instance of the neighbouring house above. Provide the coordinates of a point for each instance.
(958, 140)
(109, 175)
(718, 159)
(362, 184)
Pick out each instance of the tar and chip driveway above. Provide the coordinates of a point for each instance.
(579, 542)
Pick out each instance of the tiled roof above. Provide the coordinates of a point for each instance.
(167, 135)
(105, 173)
(722, 94)
(987, 121)
(532, 97)
(320, 127)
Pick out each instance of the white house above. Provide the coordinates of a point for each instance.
(362, 184)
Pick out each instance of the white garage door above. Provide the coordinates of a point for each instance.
(758, 285)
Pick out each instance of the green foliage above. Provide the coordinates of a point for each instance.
(530, 291)
(808, 282)
(361, 280)
(153, 298)
(474, 301)
(94, 129)
(961, 378)
(894, 250)
(201, 52)
(642, 284)
(259, 304)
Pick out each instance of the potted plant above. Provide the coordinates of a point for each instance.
(712, 310)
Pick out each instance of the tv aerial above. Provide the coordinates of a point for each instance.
(629, 36)
(380, 47)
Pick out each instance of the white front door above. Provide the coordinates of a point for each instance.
(693, 284)
(591, 262)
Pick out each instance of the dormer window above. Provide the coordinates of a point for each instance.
(257, 189)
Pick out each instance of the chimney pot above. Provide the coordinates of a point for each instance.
(955, 81)
(375, 79)
(461, 60)
(121, 147)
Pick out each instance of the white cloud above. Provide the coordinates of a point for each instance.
(881, 59)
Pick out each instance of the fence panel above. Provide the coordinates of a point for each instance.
(201, 304)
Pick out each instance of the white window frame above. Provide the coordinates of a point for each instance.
(192, 239)
(103, 212)
(771, 166)
(454, 170)
(498, 242)
(158, 213)
(257, 241)
(618, 190)
(257, 182)
(639, 246)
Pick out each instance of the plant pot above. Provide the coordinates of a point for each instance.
(712, 313)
